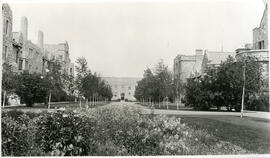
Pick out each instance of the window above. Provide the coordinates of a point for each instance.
(20, 64)
(26, 65)
(17, 56)
(6, 27)
(261, 44)
(30, 52)
(5, 53)
(70, 70)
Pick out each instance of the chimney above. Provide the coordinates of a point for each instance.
(24, 27)
(40, 39)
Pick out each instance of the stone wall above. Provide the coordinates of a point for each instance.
(60, 52)
(7, 49)
(186, 66)
(260, 34)
(121, 85)
(33, 56)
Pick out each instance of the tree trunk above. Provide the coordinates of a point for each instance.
(4, 99)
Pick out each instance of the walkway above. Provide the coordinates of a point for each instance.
(146, 110)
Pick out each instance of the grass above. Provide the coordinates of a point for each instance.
(41, 106)
(243, 133)
(170, 106)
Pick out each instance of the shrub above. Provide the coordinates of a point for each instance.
(18, 135)
(31, 88)
(65, 133)
(14, 114)
(105, 131)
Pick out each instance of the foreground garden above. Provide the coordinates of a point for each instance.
(108, 130)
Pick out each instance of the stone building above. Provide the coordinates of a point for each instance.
(17, 43)
(187, 66)
(260, 34)
(60, 52)
(123, 88)
(21, 54)
(7, 49)
(214, 58)
(259, 47)
(32, 53)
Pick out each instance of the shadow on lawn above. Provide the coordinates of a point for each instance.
(254, 139)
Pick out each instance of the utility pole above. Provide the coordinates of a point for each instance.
(243, 94)
(177, 100)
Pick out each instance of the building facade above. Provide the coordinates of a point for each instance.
(21, 54)
(187, 66)
(259, 48)
(60, 52)
(7, 49)
(123, 88)
(32, 53)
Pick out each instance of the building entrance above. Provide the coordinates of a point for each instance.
(122, 96)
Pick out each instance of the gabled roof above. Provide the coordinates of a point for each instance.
(215, 57)
(265, 12)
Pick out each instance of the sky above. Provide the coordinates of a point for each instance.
(122, 39)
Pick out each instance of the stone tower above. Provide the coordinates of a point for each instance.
(24, 27)
(40, 39)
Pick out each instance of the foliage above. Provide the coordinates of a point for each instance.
(90, 85)
(117, 130)
(18, 136)
(156, 86)
(230, 80)
(65, 134)
(62, 84)
(222, 86)
(32, 88)
(8, 82)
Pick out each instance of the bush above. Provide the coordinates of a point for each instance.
(18, 135)
(65, 133)
(31, 88)
(105, 131)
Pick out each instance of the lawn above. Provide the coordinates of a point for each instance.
(55, 105)
(249, 133)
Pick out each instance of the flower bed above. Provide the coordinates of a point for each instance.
(105, 131)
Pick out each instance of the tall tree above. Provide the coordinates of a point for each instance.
(157, 85)
(223, 86)
(82, 71)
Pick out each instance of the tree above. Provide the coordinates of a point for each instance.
(8, 83)
(82, 71)
(230, 80)
(32, 88)
(223, 86)
(88, 84)
(156, 86)
(195, 95)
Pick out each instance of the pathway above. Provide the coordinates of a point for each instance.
(146, 110)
